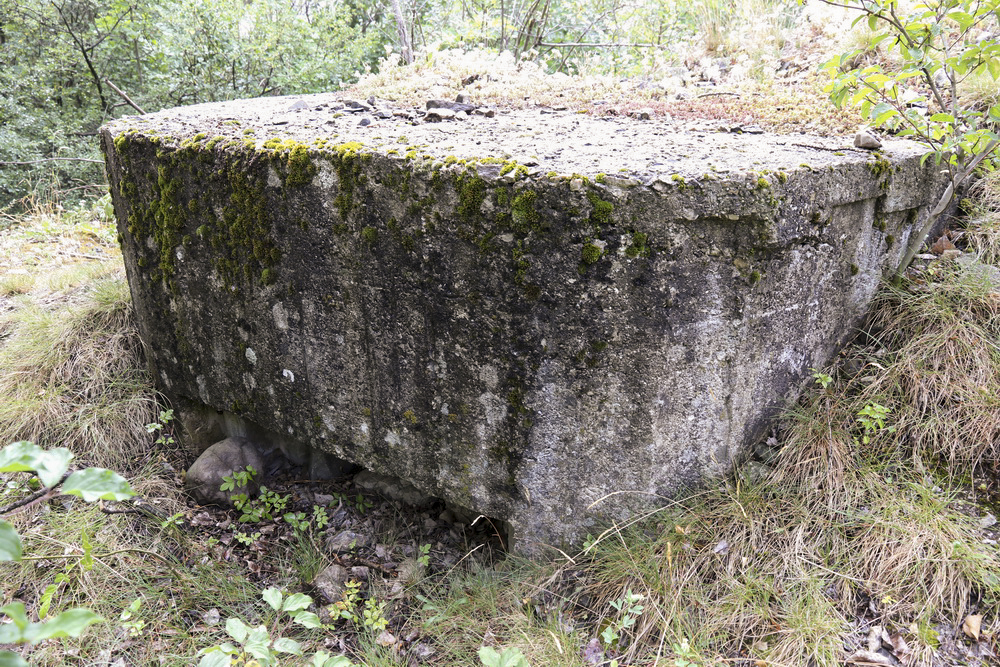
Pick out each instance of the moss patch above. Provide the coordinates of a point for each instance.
(591, 253)
(601, 212)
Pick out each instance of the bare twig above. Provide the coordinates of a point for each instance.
(36, 497)
(128, 100)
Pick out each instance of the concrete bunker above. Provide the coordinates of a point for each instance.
(546, 318)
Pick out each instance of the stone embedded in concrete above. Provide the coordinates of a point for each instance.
(555, 320)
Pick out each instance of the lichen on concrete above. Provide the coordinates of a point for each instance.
(546, 336)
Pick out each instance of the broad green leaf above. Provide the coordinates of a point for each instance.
(882, 112)
(942, 118)
(993, 65)
(93, 484)
(70, 623)
(336, 661)
(18, 616)
(23, 456)
(215, 659)
(258, 643)
(10, 542)
(11, 659)
(489, 657)
(286, 645)
(45, 601)
(307, 619)
(296, 602)
(324, 659)
(237, 629)
(272, 596)
(876, 80)
(963, 19)
(87, 562)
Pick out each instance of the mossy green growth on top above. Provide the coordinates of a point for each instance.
(601, 213)
(301, 170)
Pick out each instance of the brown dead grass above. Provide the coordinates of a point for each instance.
(71, 361)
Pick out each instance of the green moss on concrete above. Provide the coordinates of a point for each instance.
(638, 246)
(244, 241)
(880, 166)
(591, 253)
(301, 170)
(471, 195)
(524, 217)
(347, 159)
(601, 210)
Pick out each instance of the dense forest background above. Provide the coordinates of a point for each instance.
(60, 60)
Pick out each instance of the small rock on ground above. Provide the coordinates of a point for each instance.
(205, 476)
(331, 582)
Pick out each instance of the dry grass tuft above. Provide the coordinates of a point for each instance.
(851, 524)
(71, 362)
(942, 372)
(983, 229)
(500, 80)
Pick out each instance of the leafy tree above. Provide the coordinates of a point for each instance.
(939, 46)
(59, 56)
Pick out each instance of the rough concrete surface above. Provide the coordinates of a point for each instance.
(548, 318)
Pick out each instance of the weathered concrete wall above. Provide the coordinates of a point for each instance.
(475, 307)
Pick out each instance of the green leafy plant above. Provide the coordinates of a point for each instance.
(424, 559)
(821, 378)
(264, 644)
(358, 502)
(939, 45)
(52, 469)
(511, 657)
(872, 419)
(246, 539)
(265, 507)
(628, 610)
(162, 428)
(297, 520)
(320, 518)
(134, 626)
(240, 479)
(368, 614)
(684, 655)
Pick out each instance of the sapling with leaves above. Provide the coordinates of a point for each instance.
(939, 45)
(52, 469)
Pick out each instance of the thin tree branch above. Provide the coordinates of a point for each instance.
(949, 193)
(125, 97)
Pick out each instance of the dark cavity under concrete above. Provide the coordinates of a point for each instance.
(551, 319)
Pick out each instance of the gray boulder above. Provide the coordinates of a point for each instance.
(205, 476)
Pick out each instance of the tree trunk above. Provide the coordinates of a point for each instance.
(404, 35)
